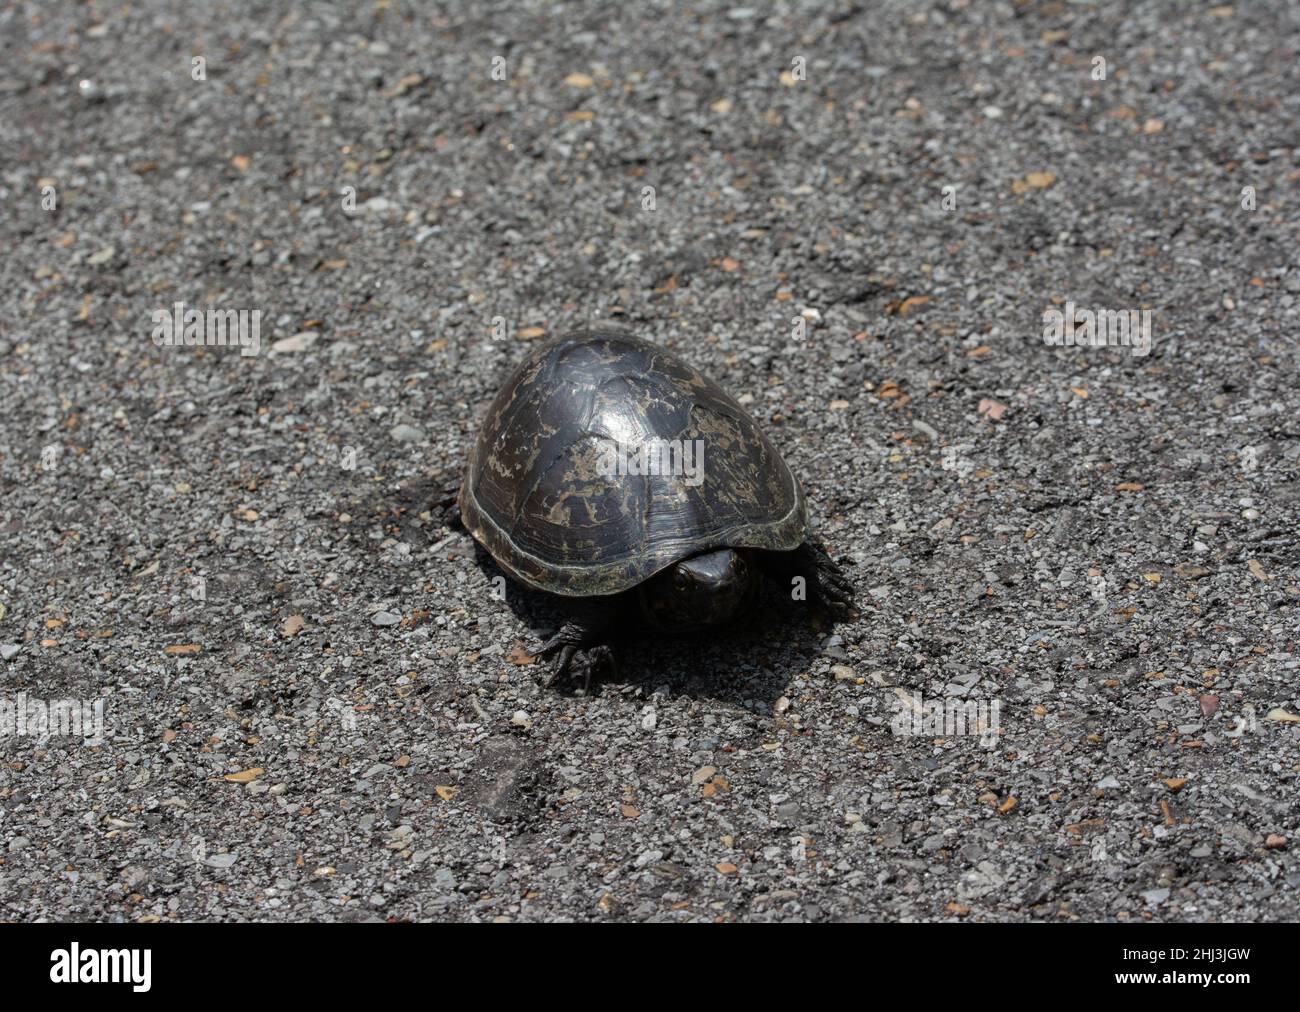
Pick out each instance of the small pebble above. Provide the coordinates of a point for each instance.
(407, 434)
(298, 342)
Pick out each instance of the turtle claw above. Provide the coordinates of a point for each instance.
(572, 639)
(827, 584)
(832, 585)
(561, 667)
(446, 506)
(599, 657)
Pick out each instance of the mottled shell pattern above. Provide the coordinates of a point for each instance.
(555, 487)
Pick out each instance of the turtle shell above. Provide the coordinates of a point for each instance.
(556, 487)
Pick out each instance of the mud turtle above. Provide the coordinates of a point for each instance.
(611, 474)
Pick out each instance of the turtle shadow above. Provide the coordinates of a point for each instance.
(749, 663)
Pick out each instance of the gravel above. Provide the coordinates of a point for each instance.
(316, 700)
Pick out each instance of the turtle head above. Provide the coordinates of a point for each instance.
(705, 590)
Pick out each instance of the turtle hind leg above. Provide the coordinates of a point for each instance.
(446, 502)
(585, 632)
(823, 580)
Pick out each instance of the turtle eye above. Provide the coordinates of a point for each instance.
(680, 580)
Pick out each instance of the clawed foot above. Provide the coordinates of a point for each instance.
(823, 580)
(446, 507)
(832, 586)
(567, 644)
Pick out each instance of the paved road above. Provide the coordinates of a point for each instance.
(312, 702)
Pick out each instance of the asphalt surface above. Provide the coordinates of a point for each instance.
(315, 707)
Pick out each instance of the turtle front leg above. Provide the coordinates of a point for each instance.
(822, 579)
(585, 632)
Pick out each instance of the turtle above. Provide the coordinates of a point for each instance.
(615, 477)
